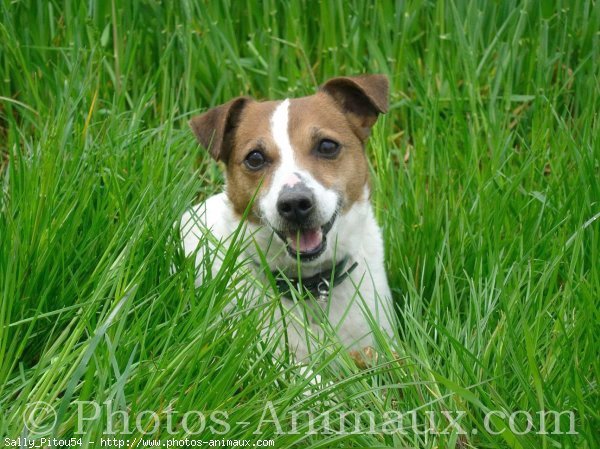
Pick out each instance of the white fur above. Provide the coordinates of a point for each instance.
(354, 234)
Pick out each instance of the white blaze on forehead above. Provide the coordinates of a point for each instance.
(279, 130)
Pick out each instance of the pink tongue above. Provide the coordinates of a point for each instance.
(305, 241)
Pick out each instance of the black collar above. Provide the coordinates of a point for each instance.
(320, 284)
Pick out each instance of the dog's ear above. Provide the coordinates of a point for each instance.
(363, 98)
(214, 129)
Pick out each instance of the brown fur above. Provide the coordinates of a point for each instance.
(215, 127)
(317, 117)
(253, 132)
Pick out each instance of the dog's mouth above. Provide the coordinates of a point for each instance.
(306, 243)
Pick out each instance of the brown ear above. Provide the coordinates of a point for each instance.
(214, 129)
(363, 97)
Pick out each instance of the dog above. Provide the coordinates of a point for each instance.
(297, 173)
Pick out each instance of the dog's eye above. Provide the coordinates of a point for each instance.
(328, 149)
(255, 160)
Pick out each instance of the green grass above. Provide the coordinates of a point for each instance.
(486, 183)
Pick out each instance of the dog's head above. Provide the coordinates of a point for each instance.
(304, 158)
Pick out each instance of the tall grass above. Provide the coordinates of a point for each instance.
(486, 183)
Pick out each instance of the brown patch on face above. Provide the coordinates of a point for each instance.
(318, 117)
(253, 132)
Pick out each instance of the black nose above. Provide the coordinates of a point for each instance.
(296, 204)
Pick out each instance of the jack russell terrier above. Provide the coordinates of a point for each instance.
(297, 173)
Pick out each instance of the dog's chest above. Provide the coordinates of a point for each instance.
(349, 309)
